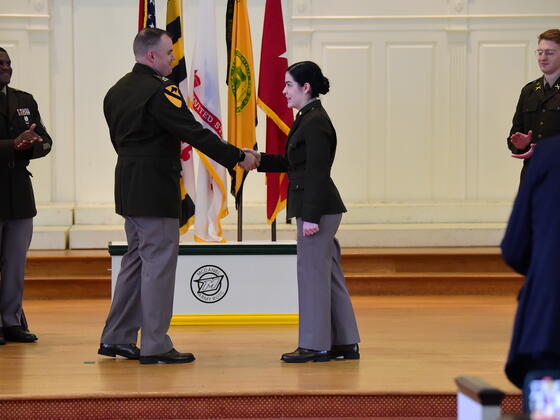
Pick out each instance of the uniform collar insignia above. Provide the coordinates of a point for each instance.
(162, 78)
(309, 105)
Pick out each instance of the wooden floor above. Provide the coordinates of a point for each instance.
(409, 345)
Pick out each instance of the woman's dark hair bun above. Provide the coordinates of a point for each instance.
(308, 72)
(324, 87)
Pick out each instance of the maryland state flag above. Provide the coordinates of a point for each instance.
(146, 14)
(279, 117)
(241, 92)
(179, 76)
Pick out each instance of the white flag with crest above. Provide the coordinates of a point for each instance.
(204, 96)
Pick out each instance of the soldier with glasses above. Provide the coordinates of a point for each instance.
(537, 115)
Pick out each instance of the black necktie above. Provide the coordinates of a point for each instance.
(546, 87)
(3, 105)
(3, 101)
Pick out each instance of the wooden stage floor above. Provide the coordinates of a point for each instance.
(410, 345)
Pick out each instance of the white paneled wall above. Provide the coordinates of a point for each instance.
(493, 109)
(422, 96)
(410, 105)
(353, 93)
(24, 33)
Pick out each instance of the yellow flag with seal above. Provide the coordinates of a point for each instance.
(242, 101)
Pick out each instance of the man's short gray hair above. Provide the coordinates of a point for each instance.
(146, 39)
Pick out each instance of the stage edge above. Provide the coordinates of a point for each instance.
(235, 319)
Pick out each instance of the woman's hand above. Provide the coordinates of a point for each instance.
(310, 229)
(256, 154)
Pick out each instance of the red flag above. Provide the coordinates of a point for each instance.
(274, 63)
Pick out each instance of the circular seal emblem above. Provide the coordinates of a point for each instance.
(240, 79)
(209, 284)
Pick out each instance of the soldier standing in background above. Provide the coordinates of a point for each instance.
(22, 137)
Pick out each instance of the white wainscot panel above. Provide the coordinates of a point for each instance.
(410, 108)
(348, 104)
(28, 7)
(514, 7)
(377, 8)
(498, 92)
(26, 39)
(94, 44)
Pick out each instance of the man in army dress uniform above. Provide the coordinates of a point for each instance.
(22, 137)
(537, 115)
(147, 118)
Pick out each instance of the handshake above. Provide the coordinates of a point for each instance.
(252, 160)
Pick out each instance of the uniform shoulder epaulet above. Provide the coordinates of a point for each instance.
(162, 79)
(535, 85)
(21, 92)
(532, 85)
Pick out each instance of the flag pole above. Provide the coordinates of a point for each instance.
(240, 216)
(273, 231)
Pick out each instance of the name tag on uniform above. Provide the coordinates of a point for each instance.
(23, 112)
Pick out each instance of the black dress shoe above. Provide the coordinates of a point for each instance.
(348, 351)
(2, 340)
(172, 356)
(19, 334)
(301, 355)
(130, 351)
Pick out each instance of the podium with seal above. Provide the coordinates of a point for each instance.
(238, 283)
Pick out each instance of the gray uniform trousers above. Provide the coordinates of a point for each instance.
(15, 237)
(326, 316)
(143, 297)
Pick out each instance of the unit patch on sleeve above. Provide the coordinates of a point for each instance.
(173, 95)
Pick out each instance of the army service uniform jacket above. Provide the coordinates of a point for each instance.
(310, 151)
(538, 111)
(148, 118)
(16, 193)
(531, 246)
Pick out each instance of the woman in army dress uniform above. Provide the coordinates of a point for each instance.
(327, 325)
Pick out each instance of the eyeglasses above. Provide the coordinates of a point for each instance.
(548, 53)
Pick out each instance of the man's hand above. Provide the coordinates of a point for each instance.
(310, 229)
(26, 139)
(252, 159)
(525, 155)
(520, 140)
